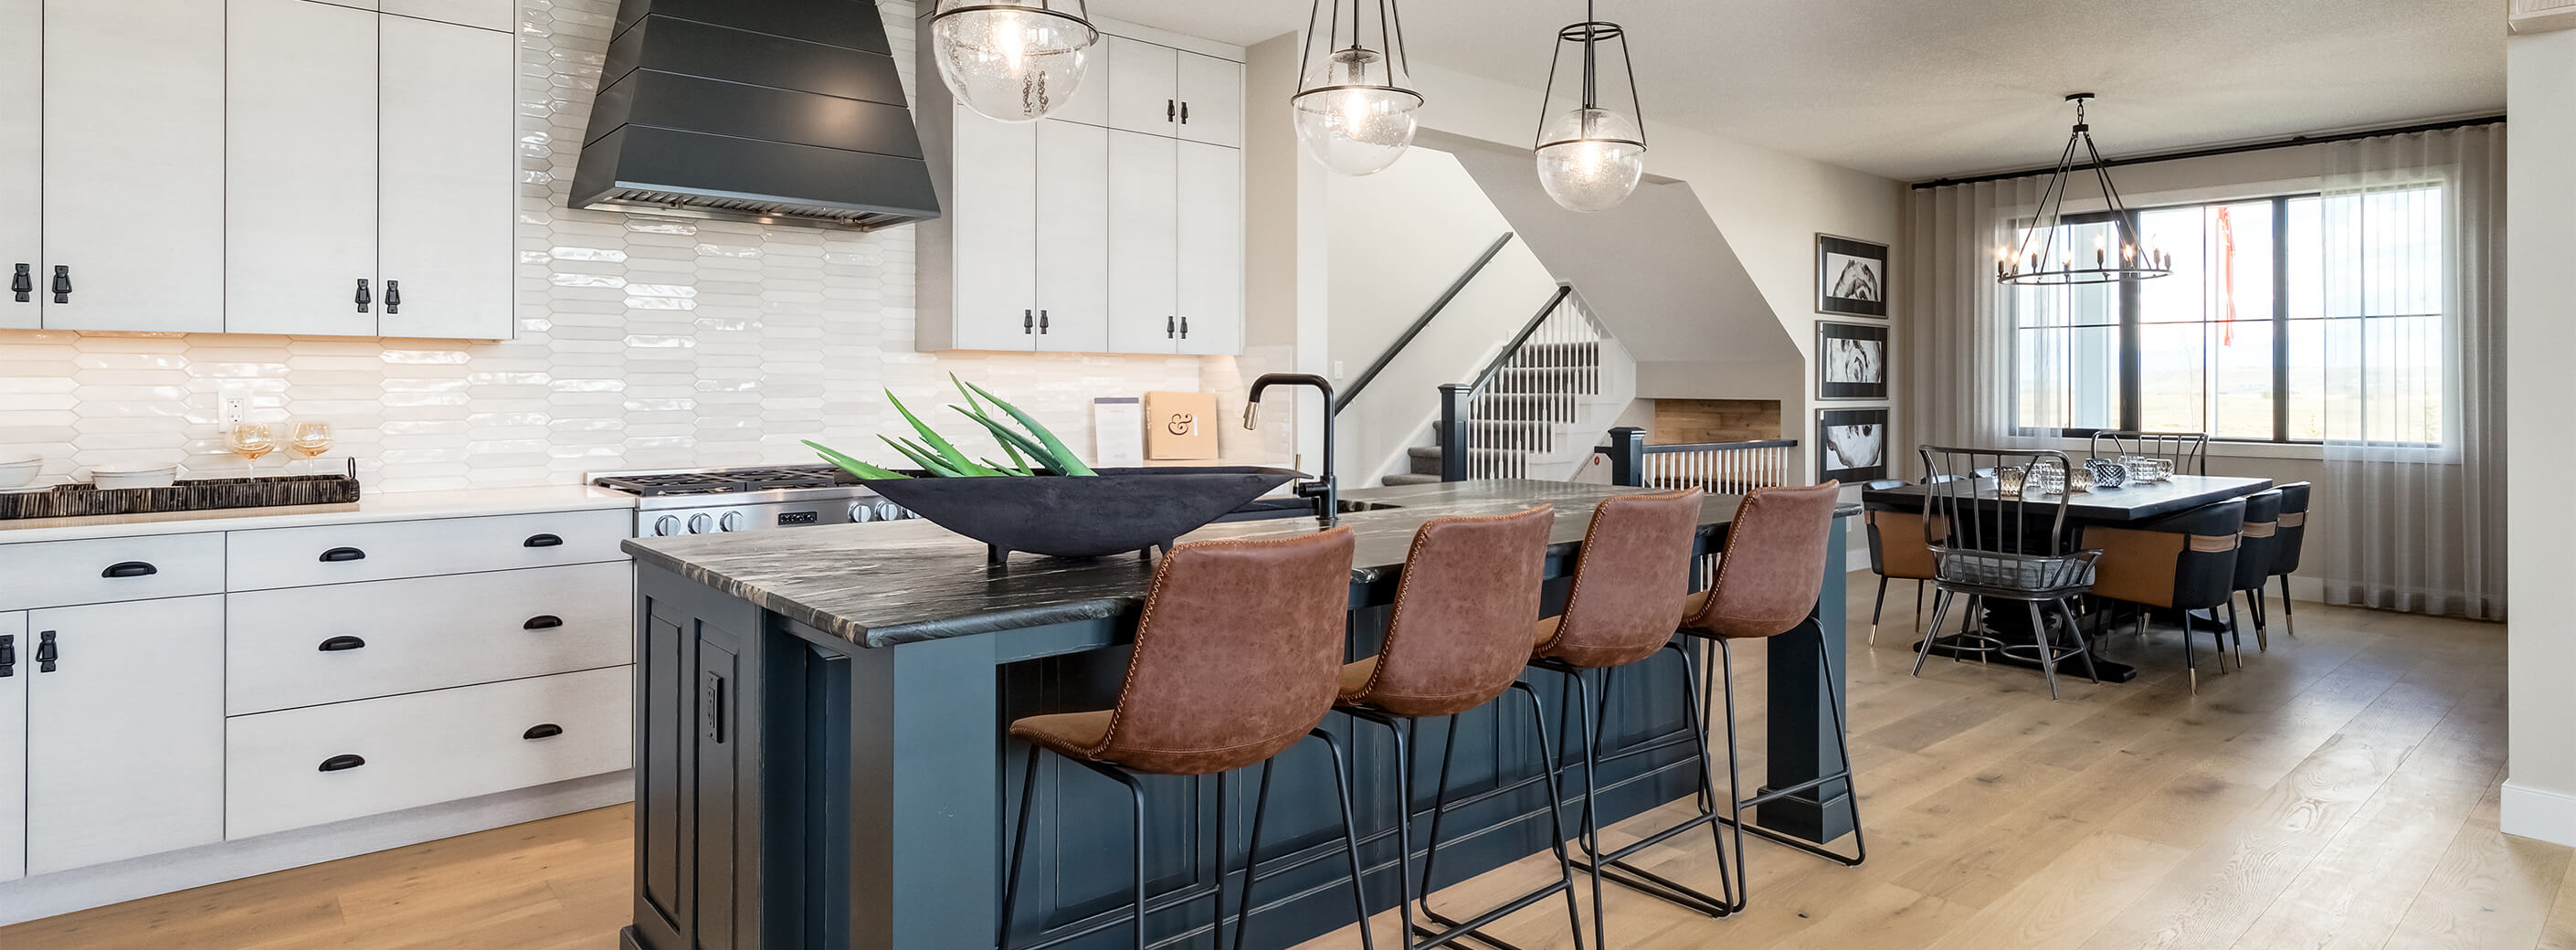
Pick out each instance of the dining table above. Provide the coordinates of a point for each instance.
(2121, 505)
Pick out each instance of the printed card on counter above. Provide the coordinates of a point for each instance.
(1180, 426)
(1118, 428)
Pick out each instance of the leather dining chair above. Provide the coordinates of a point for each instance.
(1896, 553)
(2285, 554)
(2186, 562)
(2254, 558)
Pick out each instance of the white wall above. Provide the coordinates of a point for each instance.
(2540, 794)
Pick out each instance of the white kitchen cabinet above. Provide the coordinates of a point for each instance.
(448, 167)
(990, 209)
(300, 169)
(1144, 86)
(14, 655)
(1073, 237)
(1211, 249)
(125, 735)
(22, 159)
(1211, 95)
(134, 164)
(502, 15)
(1144, 243)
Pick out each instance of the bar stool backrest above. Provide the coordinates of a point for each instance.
(1629, 581)
(2294, 528)
(2262, 540)
(1238, 654)
(1774, 564)
(1471, 588)
(2188, 450)
(2184, 562)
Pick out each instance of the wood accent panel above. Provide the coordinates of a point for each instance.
(1693, 421)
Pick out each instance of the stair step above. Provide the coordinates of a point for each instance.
(1423, 459)
(1413, 479)
(1557, 352)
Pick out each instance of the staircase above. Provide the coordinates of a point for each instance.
(1541, 407)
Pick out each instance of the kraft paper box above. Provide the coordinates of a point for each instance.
(1180, 426)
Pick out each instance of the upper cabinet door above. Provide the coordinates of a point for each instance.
(1073, 237)
(1211, 92)
(500, 15)
(134, 164)
(1144, 246)
(449, 165)
(300, 170)
(991, 205)
(1144, 87)
(22, 159)
(1090, 102)
(1211, 249)
(125, 737)
(13, 753)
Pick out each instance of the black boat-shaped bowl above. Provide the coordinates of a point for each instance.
(1117, 511)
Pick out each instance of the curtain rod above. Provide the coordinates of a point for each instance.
(2291, 142)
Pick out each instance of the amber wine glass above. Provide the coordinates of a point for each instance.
(310, 440)
(251, 440)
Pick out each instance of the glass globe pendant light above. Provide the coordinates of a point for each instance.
(1352, 107)
(1012, 60)
(1590, 158)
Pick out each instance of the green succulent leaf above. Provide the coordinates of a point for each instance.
(939, 446)
(851, 465)
(1068, 464)
(1039, 453)
(929, 463)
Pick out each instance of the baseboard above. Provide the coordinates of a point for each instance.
(83, 888)
(2539, 814)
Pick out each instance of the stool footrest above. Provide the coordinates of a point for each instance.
(1777, 794)
(1792, 841)
(1474, 926)
(1126, 912)
(1630, 875)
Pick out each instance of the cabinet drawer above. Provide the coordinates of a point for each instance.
(333, 554)
(312, 645)
(321, 764)
(61, 573)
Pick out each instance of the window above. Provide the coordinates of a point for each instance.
(2296, 319)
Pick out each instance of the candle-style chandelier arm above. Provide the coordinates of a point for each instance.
(2039, 261)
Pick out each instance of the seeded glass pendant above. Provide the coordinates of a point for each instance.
(1590, 158)
(1353, 109)
(1012, 60)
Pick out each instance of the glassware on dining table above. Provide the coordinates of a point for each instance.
(310, 439)
(251, 441)
(2010, 480)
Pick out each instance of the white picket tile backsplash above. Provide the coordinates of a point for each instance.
(643, 342)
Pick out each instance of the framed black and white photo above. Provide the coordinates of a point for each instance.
(1851, 277)
(1851, 444)
(1851, 361)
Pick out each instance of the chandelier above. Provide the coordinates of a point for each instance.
(2115, 257)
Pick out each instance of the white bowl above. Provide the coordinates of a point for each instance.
(156, 477)
(19, 470)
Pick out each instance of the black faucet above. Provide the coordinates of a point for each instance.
(1325, 491)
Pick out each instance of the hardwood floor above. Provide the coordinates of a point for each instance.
(2339, 792)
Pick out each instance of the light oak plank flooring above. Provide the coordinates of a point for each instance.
(2338, 792)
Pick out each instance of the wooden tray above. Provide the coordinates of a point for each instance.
(73, 501)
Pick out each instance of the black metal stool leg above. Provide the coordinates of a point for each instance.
(1842, 745)
(2289, 613)
(1019, 850)
(1555, 816)
(1940, 618)
(1881, 610)
(1613, 865)
(1350, 838)
(2077, 629)
(1591, 831)
(2047, 653)
(1252, 858)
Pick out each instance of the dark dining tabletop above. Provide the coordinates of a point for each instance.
(2125, 504)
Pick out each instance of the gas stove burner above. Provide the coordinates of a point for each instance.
(724, 482)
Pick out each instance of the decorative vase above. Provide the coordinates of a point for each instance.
(1118, 511)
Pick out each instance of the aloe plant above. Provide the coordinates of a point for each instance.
(1030, 450)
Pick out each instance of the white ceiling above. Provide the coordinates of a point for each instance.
(1918, 89)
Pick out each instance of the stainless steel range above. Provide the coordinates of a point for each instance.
(746, 499)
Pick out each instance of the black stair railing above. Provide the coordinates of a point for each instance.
(1455, 398)
(1406, 339)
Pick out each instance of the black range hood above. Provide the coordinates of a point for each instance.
(768, 110)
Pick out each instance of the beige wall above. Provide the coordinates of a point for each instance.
(2540, 794)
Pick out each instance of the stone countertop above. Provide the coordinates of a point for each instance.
(391, 506)
(886, 584)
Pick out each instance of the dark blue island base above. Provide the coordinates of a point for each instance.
(821, 759)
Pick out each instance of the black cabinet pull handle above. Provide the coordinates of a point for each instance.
(343, 644)
(543, 730)
(542, 541)
(364, 298)
(336, 555)
(1042, 321)
(1171, 109)
(542, 622)
(130, 569)
(1185, 113)
(8, 655)
(46, 652)
(62, 283)
(1185, 328)
(1028, 321)
(24, 283)
(343, 763)
(1171, 327)
(393, 296)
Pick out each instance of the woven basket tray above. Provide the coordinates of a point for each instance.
(73, 501)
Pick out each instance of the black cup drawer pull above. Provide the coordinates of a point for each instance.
(336, 555)
(542, 622)
(543, 730)
(343, 763)
(543, 541)
(343, 644)
(130, 569)
(46, 652)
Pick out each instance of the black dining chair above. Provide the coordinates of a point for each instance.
(2185, 563)
(2189, 451)
(1991, 545)
(2254, 565)
(2292, 537)
(1896, 553)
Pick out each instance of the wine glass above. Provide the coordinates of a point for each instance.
(309, 439)
(251, 440)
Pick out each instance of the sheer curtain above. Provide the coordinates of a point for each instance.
(2408, 317)
(1959, 348)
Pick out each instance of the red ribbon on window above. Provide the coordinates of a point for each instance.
(2227, 277)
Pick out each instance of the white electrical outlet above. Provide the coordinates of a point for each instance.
(1338, 372)
(236, 406)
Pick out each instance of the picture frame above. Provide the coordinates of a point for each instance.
(1851, 360)
(1851, 277)
(1852, 444)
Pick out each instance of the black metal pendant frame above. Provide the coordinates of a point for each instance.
(1081, 13)
(1390, 48)
(2039, 244)
(1590, 34)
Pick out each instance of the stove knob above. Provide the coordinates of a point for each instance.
(734, 521)
(888, 511)
(701, 524)
(861, 512)
(666, 526)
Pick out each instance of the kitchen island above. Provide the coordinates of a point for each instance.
(821, 757)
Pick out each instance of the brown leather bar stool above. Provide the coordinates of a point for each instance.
(1767, 584)
(1470, 586)
(1630, 581)
(1238, 656)
(2182, 563)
